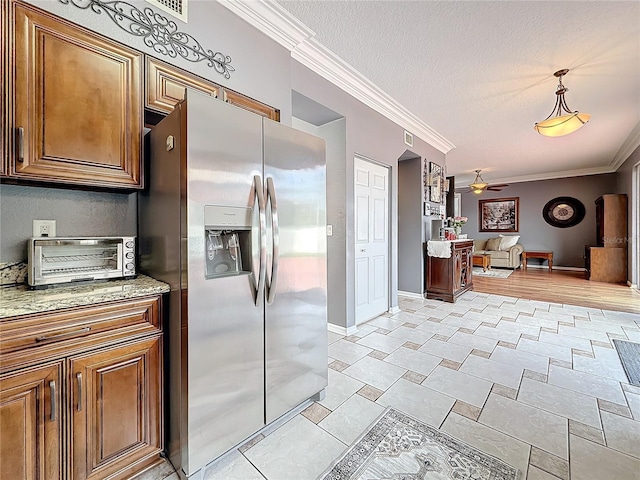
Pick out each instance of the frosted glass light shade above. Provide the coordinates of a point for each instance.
(562, 125)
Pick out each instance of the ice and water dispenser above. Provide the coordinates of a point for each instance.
(227, 242)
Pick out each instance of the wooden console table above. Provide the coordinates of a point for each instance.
(482, 260)
(548, 256)
(448, 278)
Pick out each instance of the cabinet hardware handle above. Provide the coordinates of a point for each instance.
(62, 335)
(79, 378)
(20, 143)
(52, 388)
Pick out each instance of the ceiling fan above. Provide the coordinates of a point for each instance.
(479, 185)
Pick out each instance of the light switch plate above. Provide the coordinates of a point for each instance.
(329, 230)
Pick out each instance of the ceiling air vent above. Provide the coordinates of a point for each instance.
(177, 8)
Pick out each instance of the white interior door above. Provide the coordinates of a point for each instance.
(372, 239)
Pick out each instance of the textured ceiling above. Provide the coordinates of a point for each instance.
(480, 73)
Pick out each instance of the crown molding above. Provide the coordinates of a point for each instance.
(628, 147)
(278, 24)
(272, 20)
(579, 172)
(328, 65)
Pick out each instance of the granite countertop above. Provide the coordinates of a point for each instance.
(20, 300)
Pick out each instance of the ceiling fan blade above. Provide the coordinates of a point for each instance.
(499, 185)
(496, 188)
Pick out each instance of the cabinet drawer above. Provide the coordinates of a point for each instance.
(63, 331)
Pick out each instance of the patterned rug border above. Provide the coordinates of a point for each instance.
(374, 435)
(628, 363)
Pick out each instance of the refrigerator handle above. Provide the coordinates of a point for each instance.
(262, 217)
(273, 280)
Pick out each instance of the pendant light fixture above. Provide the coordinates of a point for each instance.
(479, 185)
(565, 121)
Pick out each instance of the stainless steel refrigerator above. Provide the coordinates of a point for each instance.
(234, 220)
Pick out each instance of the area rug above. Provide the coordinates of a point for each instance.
(629, 353)
(492, 273)
(399, 447)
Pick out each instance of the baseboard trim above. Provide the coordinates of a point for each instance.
(410, 294)
(342, 330)
(394, 310)
(558, 267)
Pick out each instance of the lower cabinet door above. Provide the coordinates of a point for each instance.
(30, 423)
(116, 409)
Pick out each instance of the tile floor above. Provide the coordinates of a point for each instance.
(538, 385)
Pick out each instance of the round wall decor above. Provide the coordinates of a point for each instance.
(563, 212)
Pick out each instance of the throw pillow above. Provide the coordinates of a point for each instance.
(493, 244)
(508, 241)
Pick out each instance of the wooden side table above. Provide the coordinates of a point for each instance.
(548, 256)
(482, 260)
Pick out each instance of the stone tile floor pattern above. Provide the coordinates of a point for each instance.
(536, 384)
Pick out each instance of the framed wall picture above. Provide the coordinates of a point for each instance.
(498, 215)
(425, 180)
(435, 190)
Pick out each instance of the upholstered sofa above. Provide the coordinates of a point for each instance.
(508, 258)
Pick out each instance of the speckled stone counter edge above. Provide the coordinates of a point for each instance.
(13, 273)
(19, 300)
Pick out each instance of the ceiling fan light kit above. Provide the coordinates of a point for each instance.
(479, 185)
(564, 121)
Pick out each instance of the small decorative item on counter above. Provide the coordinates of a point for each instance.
(457, 223)
(449, 234)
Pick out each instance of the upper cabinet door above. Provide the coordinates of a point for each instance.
(166, 85)
(77, 108)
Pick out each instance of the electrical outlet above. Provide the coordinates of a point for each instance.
(44, 228)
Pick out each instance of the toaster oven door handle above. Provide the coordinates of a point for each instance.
(58, 336)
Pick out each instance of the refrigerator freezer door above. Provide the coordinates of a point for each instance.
(296, 315)
(225, 327)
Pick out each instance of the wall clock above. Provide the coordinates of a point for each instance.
(563, 212)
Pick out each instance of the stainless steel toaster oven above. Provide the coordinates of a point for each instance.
(54, 260)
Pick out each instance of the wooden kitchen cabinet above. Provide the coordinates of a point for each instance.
(242, 101)
(116, 408)
(4, 84)
(166, 86)
(75, 114)
(31, 423)
(105, 362)
(448, 278)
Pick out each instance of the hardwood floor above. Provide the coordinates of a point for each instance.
(561, 286)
